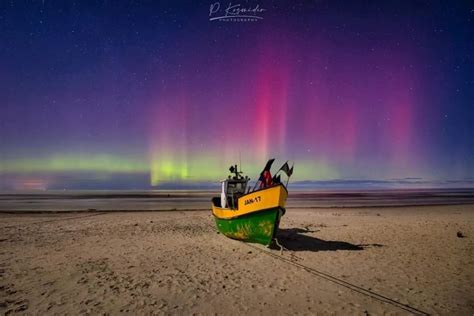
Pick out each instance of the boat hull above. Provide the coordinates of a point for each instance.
(256, 201)
(258, 227)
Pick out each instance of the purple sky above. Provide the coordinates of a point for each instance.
(147, 94)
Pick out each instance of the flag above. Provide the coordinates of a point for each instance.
(268, 166)
(276, 179)
(286, 169)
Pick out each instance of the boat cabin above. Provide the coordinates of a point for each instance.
(232, 188)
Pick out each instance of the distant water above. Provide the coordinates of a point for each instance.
(186, 200)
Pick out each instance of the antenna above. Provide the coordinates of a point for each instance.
(240, 160)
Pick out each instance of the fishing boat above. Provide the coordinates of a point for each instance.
(251, 215)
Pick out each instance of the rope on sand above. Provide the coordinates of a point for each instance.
(293, 261)
(338, 281)
(293, 257)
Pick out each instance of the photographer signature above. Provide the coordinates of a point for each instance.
(234, 11)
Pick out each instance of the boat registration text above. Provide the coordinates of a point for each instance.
(252, 200)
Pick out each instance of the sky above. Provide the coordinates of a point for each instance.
(169, 94)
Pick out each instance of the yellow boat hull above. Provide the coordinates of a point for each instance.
(263, 199)
(257, 217)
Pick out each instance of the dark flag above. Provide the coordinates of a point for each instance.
(277, 179)
(268, 166)
(286, 169)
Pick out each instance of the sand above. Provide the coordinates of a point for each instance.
(337, 261)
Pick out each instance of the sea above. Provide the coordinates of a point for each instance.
(163, 200)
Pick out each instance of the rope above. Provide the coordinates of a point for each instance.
(278, 244)
(340, 282)
(293, 257)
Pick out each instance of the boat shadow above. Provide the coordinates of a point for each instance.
(295, 239)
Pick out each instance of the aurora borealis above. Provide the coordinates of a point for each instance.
(145, 94)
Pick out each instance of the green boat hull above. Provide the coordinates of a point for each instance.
(258, 227)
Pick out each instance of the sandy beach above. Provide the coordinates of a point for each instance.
(378, 260)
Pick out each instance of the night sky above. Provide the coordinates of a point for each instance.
(152, 94)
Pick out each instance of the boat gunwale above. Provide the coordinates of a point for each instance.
(270, 187)
(262, 189)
